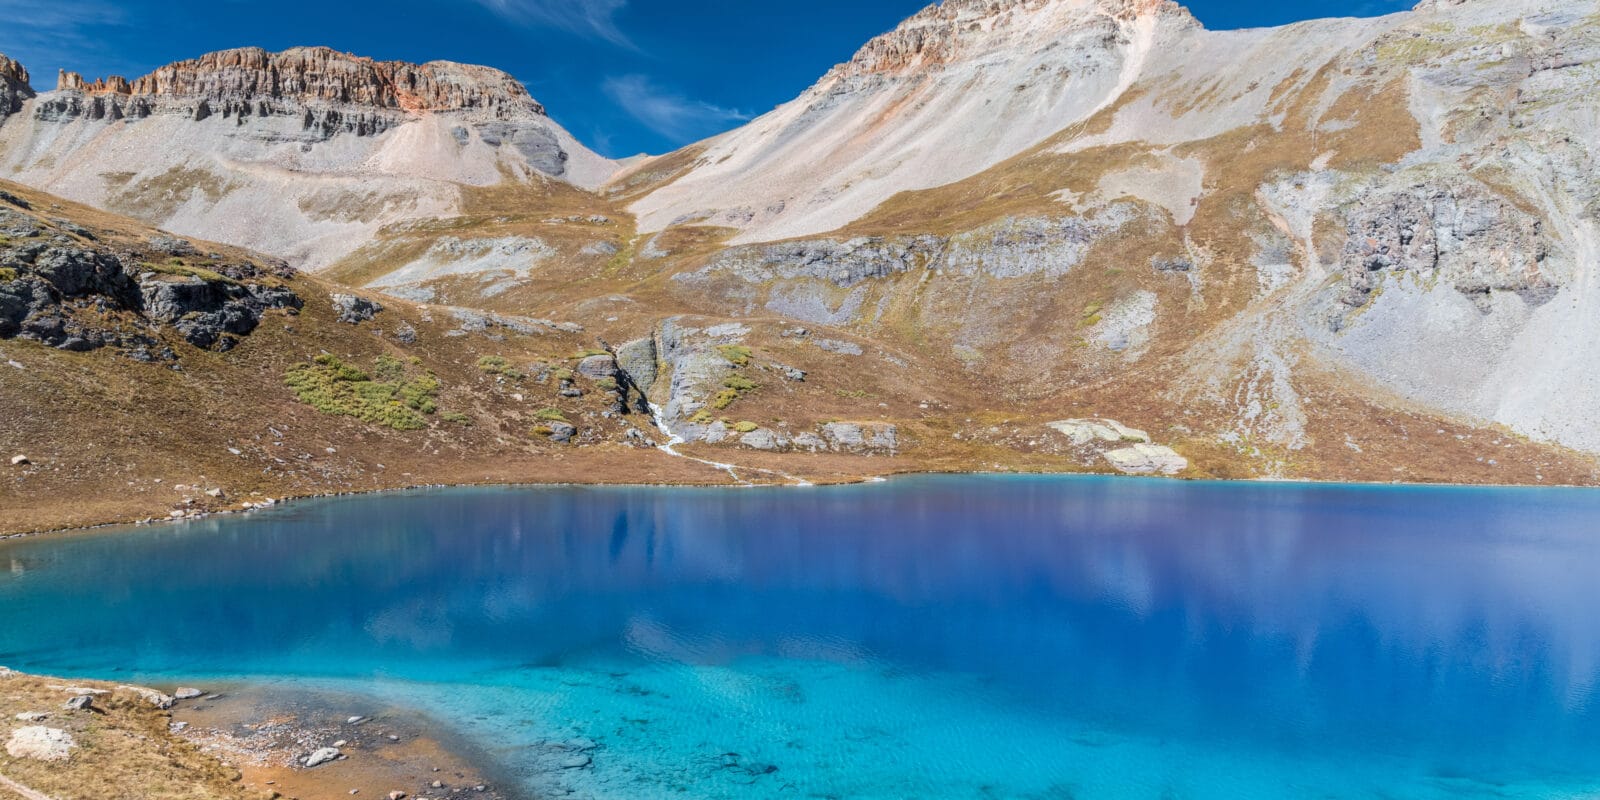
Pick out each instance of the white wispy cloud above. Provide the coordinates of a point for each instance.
(669, 113)
(586, 17)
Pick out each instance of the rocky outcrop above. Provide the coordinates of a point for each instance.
(14, 87)
(861, 437)
(796, 278)
(353, 310)
(1127, 450)
(1147, 459)
(1457, 231)
(841, 263)
(638, 361)
(60, 288)
(328, 92)
(210, 313)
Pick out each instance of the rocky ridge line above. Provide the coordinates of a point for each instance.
(950, 31)
(321, 75)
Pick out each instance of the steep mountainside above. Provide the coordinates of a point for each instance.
(303, 153)
(1010, 234)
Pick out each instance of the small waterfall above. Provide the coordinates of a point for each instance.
(673, 440)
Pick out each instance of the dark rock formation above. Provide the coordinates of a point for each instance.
(14, 87)
(355, 310)
(66, 293)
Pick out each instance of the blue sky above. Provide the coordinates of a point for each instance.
(625, 76)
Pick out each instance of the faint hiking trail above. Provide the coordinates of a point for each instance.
(25, 792)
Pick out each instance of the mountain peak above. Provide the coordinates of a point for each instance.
(957, 29)
(322, 75)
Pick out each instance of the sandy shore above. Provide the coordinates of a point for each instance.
(234, 742)
(267, 733)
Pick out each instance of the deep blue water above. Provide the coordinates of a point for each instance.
(962, 637)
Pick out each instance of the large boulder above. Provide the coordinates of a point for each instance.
(355, 310)
(861, 437)
(41, 744)
(1147, 459)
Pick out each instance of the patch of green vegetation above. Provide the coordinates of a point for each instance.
(746, 427)
(456, 417)
(499, 365)
(736, 354)
(853, 394)
(7, 274)
(724, 398)
(739, 383)
(551, 414)
(701, 417)
(178, 268)
(388, 368)
(333, 387)
(562, 374)
(606, 384)
(544, 431)
(589, 352)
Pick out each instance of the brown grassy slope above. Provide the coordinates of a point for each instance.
(124, 752)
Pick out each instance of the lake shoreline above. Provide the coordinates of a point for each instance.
(291, 499)
(242, 739)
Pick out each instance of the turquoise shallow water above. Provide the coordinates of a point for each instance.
(961, 637)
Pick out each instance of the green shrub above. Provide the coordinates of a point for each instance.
(736, 354)
(333, 387)
(739, 383)
(456, 417)
(606, 384)
(724, 398)
(388, 368)
(562, 374)
(543, 430)
(551, 414)
(701, 417)
(746, 427)
(176, 267)
(499, 365)
(7, 274)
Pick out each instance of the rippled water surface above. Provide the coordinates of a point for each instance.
(961, 637)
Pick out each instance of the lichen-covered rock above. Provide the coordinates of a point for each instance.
(562, 432)
(861, 437)
(637, 360)
(1147, 459)
(1457, 230)
(1086, 431)
(355, 310)
(598, 367)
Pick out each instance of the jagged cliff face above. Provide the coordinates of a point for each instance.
(14, 87)
(195, 144)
